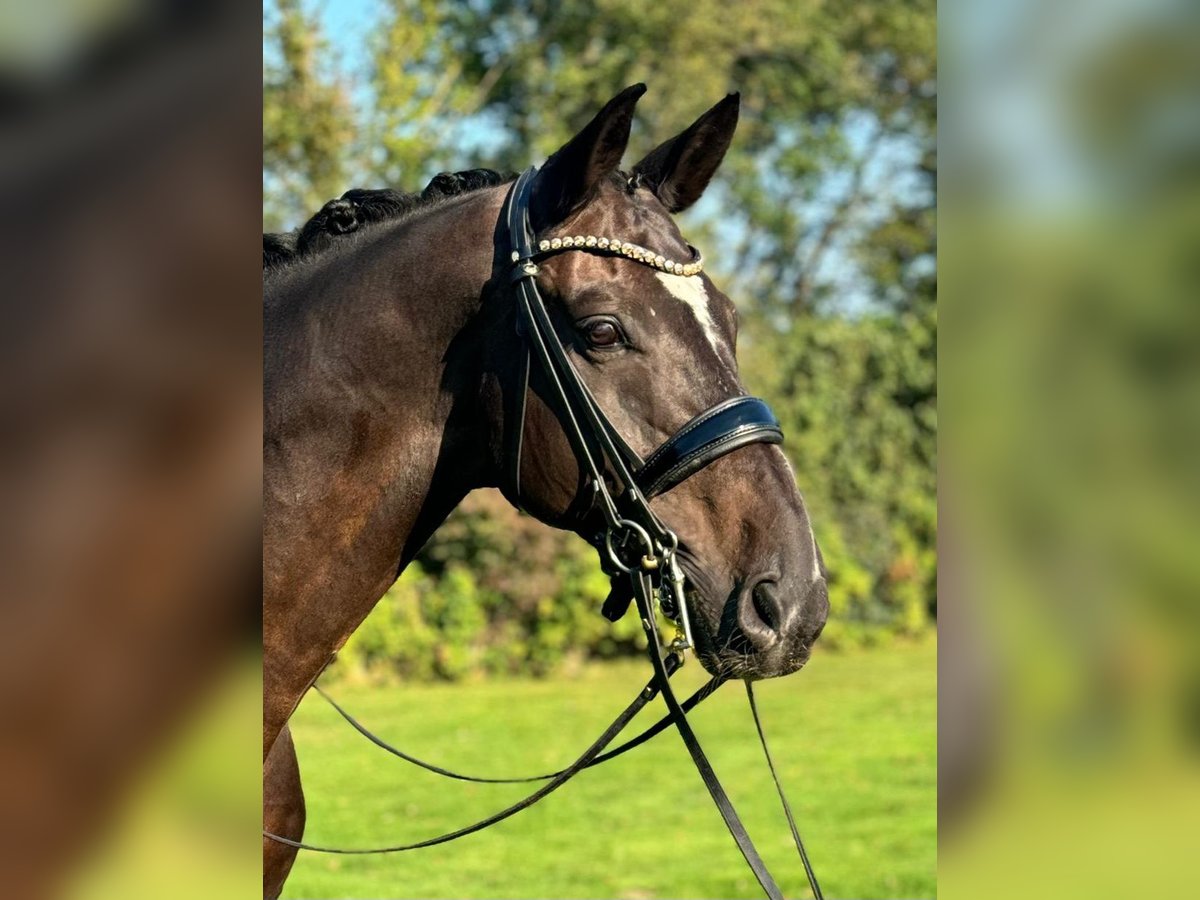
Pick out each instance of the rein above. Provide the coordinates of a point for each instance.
(688, 705)
(638, 551)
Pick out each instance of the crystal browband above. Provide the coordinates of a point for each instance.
(626, 249)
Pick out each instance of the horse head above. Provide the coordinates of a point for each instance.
(655, 345)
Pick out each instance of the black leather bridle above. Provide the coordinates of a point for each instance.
(638, 550)
(629, 525)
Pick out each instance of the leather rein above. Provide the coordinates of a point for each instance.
(638, 551)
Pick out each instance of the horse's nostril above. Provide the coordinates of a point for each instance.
(766, 604)
(760, 613)
(771, 615)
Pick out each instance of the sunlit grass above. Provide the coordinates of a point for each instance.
(854, 735)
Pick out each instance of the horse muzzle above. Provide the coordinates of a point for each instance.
(766, 628)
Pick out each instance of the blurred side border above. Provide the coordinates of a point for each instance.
(1069, 212)
(130, 423)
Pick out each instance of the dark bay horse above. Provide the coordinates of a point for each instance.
(390, 365)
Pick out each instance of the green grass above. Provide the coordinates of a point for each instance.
(854, 735)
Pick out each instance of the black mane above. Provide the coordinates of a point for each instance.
(278, 249)
(358, 207)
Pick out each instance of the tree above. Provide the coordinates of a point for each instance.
(307, 118)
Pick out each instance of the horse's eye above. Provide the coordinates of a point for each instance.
(603, 333)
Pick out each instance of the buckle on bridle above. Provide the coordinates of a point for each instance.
(625, 529)
(658, 562)
(683, 639)
(523, 267)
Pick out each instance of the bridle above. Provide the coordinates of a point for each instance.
(630, 528)
(638, 551)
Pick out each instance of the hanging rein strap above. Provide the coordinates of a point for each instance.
(642, 589)
(648, 693)
(676, 713)
(687, 706)
(787, 807)
(657, 728)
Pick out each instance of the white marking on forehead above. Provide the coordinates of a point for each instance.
(690, 289)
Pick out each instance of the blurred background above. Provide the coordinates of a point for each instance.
(1069, 214)
(820, 225)
(130, 449)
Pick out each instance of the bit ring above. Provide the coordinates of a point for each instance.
(628, 526)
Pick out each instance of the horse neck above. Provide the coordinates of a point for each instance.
(375, 425)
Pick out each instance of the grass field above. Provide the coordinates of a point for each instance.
(854, 735)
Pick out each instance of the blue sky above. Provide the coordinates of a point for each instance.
(352, 13)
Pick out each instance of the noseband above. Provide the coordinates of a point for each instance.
(639, 552)
(633, 536)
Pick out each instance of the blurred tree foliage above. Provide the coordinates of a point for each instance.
(307, 118)
(494, 591)
(820, 225)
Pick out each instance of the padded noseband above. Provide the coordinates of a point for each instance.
(706, 438)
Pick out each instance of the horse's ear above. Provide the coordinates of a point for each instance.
(679, 170)
(569, 177)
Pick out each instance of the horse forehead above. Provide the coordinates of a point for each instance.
(639, 219)
(690, 291)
